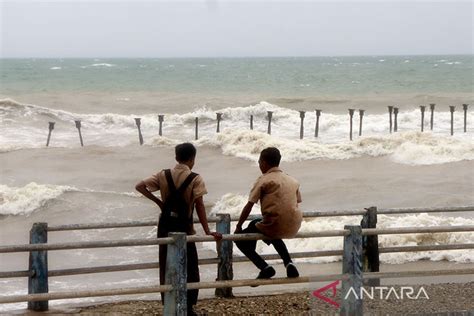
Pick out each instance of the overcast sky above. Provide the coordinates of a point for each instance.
(234, 28)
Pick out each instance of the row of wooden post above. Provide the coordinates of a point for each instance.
(360, 254)
(393, 124)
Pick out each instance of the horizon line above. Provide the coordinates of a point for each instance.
(230, 57)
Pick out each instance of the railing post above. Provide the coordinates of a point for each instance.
(302, 124)
(78, 126)
(351, 114)
(196, 129)
(140, 136)
(224, 252)
(451, 109)
(370, 245)
(219, 117)
(50, 127)
(269, 114)
(160, 121)
(361, 115)
(176, 275)
(395, 125)
(464, 107)
(352, 264)
(316, 128)
(38, 267)
(422, 109)
(432, 108)
(251, 122)
(390, 110)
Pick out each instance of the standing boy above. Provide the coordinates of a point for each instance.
(181, 191)
(279, 196)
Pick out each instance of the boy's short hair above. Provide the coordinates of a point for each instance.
(271, 156)
(185, 152)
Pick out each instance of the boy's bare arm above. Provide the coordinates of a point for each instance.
(243, 216)
(201, 212)
(141, 187)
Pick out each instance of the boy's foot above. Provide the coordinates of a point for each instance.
(291, 271)
(266, 273)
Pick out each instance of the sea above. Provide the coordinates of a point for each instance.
(66, 183)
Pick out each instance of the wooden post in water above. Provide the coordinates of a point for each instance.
(451, 109)
(219, 117)
(38, 267)
(351, 114)
(370, 245)
(140, 136)
(422, 109)
(78, 126)
(160, 121)
(464, 107)
(352, 265)
(432, 108)
(361, 115)
(390, 110)
(224, 252)
(269, 130)
(176, 275)
(196, 135)
(316, 128)
(395, 125)
(51, 127)
(251, 122)
(302, 124)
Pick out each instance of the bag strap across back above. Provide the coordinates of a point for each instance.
(183, 186)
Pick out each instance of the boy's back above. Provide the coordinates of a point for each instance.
(279, 197)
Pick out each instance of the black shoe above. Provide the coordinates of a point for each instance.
(291, 271)
(191, 312)
(266, 273)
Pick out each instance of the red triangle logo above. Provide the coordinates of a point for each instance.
(318, 293)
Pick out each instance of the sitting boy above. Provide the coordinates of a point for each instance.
(279, 196)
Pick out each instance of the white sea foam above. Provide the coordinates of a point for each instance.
(32, 197)
(25, 126)
(25, 200)
(55, 68)
(414, 148)
(98, 65)
(103, 65)
(233, 204)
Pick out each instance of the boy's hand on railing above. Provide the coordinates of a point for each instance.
(238, 229)
(217, 236)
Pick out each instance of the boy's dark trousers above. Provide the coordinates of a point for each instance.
(165, 227)
(248, 247)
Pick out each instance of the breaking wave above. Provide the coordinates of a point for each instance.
(25, 126)
(33, 197)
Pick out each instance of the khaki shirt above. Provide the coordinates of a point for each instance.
(279, 196)
(180, 172)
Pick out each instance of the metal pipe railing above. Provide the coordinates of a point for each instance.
(308, 214)
(235, 237)
(235, 259)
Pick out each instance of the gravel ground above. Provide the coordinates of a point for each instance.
(443, 298)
